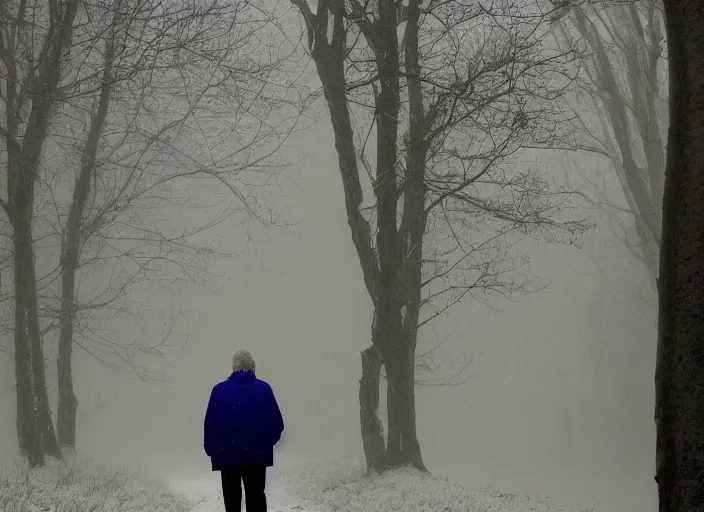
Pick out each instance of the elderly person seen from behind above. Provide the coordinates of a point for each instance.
(242, 424)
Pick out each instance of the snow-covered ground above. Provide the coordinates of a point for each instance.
(344, 487)
(206, 496)
(331, 487)
(77, 486)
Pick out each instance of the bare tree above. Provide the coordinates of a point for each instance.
(623, 81)
(451, 105)
(679, 374)
(33, 40)
(66, 420)
(138, 147)
(154, 105)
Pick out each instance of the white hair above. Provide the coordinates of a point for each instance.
(242, 362)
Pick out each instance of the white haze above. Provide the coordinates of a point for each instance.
(558, 403)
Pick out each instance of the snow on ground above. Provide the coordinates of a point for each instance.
(212, 502)
(331, 487)
(206, 495)
(344, 487)
(72, 486)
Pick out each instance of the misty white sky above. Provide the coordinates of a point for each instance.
(558, 403)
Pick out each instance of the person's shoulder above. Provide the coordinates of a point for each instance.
(220, 385)
(263, 385)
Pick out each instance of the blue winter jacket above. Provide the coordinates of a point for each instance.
(242, 423)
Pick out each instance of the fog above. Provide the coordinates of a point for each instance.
(558, 401)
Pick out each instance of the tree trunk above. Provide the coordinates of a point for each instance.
(70, 249)
(679, 374)
(30, 366)
(403, 441)
(26, 420)
(393, 436)
(67, 405)
(30, 420)
(402, 447)
(44, 425)
(372, 429)
(22, 171)
(329, 58)
(66, 414)
(27, 332)
(16, 204)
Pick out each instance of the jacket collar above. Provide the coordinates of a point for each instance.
(242, 376)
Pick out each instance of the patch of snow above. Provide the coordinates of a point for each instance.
(79, 486)
(319, 487)
(345, 487)
(206, 494)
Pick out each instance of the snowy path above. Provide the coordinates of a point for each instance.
(208, 497)
(213, 503)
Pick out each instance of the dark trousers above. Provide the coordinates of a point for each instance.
(254, 480)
